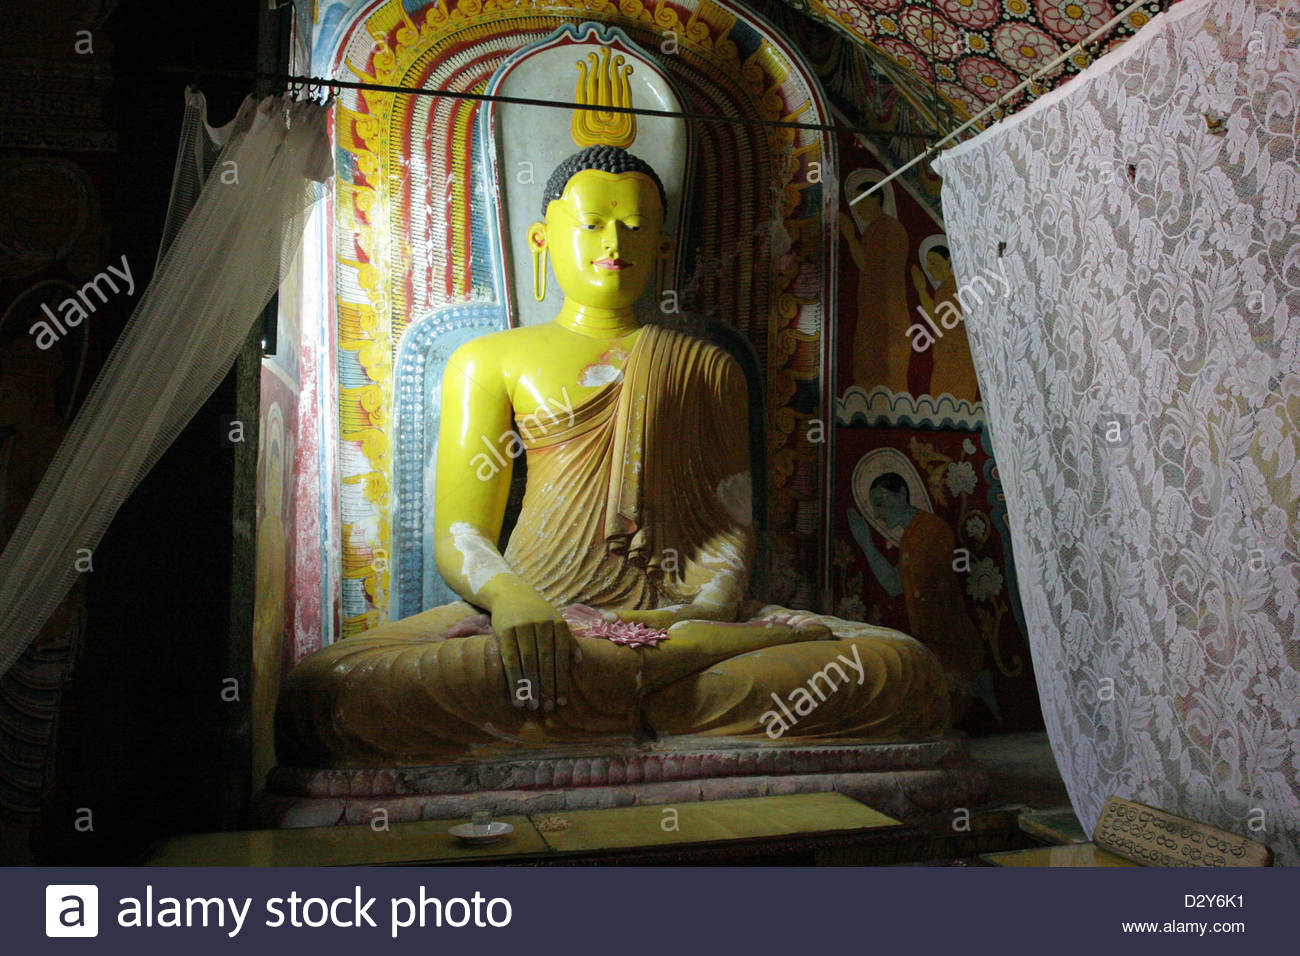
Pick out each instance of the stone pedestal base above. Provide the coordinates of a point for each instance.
(903, 780)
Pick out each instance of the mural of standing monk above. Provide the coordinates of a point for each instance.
(954, 370)
(272, 573)
(878, 243)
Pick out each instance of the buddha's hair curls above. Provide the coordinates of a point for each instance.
(607, 159)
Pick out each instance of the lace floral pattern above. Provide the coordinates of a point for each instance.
(1142, 383)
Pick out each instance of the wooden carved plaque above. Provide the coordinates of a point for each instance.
(1152, 837)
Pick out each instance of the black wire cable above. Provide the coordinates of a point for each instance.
(289, 81)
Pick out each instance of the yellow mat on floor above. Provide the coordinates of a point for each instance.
(710, 821)
(587, 831)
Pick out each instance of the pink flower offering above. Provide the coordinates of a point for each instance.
(588, 622)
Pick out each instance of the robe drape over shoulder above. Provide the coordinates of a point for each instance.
(625, 502)
(637, 499)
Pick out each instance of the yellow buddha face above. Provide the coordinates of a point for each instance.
(603, 237)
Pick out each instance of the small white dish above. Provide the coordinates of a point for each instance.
(495, 831)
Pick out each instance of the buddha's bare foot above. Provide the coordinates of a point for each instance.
(814, 630)
(468, 627)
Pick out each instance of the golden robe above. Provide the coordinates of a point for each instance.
(639, 499)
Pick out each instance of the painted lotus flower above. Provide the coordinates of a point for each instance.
(857, 15)
(985, 580)
(588, 622)
(908, 55)
(1024, 47)
(985, 78)
(961, 478)
(931, 33)
(857, 19)
(975, 14)
(965, 99)
(1071, 19)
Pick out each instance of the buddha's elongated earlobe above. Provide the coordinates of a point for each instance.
(537, 243)
(539, 273)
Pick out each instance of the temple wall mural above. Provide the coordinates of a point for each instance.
(296, 597)
(909, 416)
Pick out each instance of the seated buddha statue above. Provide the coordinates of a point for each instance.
(618, 609)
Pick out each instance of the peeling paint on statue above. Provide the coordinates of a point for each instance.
(481, 561)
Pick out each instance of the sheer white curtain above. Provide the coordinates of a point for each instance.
(228, 236)
(1142, 381)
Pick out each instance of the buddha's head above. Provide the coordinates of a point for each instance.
(939, 264)
(890, 500)
(869, 208)
(275, 467)
(603, 231)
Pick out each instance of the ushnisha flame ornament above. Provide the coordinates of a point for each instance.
(603, 81)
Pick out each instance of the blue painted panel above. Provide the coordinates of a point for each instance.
(422, 355)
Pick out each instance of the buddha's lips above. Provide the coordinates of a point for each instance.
(612, 265)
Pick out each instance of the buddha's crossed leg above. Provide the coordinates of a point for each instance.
(403, 693)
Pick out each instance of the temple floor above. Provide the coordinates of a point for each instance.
(1021, 769)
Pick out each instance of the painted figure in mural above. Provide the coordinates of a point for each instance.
(272, 574)
(619, 604)
(926, 579)
(953, 372)
(878, 243)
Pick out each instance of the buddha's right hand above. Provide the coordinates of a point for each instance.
(536, 651)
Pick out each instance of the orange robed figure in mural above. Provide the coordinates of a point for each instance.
(931, 590)
(882, 351)
(953, 372)
(636, 522)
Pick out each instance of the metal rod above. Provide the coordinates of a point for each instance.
(929, 153)
(323, 83)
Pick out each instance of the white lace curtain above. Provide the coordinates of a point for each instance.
(229, 233)
(1142, 381)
